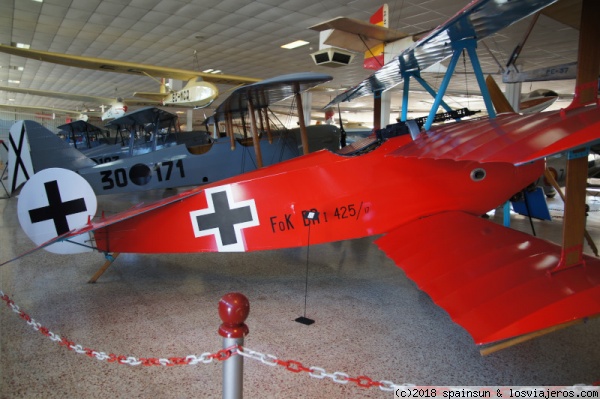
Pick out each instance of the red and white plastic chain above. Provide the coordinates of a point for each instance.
(206, 357)
(320, 373)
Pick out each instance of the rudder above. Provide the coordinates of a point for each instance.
(33, 148)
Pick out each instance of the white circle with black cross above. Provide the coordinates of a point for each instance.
(53, 202)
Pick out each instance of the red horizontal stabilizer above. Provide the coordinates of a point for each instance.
(493, 281)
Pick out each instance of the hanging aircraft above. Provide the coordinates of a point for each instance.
(556, 72)
(495, 282)
(379, 43)
(196, 93)
(199, 91)
(198, 160)
(567, 12)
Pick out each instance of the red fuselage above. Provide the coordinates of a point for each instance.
(355, 196)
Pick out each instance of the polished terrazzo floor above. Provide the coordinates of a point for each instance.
(370, 320)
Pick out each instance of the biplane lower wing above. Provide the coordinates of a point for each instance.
(495, 282)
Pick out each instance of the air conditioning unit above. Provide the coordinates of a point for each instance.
(332, 57)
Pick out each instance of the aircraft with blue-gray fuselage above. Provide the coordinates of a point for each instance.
(199, 161)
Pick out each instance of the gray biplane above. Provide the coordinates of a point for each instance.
(135, 133)
(197, 161)
(93, 141)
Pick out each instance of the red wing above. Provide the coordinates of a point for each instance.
(493, 281)
(512, 138)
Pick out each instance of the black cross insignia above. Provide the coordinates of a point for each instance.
(19, 160)
(57, 210)
(224, 218)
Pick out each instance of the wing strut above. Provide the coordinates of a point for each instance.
(586, 92)
(377, 109)
(229, 127)
(255, 138)
(156, 130)
(469, 45)
(417, 75)
(550, 177)
(268, 125)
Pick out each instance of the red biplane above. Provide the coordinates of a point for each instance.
(496, 282)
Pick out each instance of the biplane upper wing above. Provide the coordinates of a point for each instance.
(101, 64)
(143, 116)
(478, 20)
(80, 127)
(268, 91)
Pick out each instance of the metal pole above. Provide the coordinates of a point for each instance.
(233, 311)
(233, 371)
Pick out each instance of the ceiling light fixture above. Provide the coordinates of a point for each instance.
(14, 68)
(295, 44)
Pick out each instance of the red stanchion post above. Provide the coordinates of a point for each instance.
(233, 311)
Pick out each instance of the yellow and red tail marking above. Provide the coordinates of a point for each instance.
(374, 56)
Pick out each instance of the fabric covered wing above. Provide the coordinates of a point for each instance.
(511, 138)
(267, 92)
(494, 281)
(479, 19)
(103, 64)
